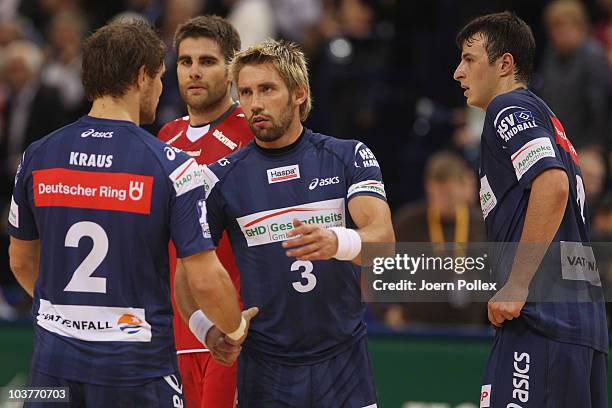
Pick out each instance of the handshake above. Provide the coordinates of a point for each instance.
(224, 348)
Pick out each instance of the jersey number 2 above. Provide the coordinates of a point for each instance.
(306, 273)
(82, 281)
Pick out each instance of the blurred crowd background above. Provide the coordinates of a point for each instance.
(381, 72)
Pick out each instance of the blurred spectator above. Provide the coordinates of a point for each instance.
(449, 214)
(593, 169)
(575, 74)
(151, 10)
(31, 108)
(350, 74)
(253, 19)
(63, 69)
(602, 31)
(295, 17)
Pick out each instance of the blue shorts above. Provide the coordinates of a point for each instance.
(526, 369)
(343, 381)
(161, 392)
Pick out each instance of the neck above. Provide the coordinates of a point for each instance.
(124, 108)
(291, 135)
(505, 85)
(197, 118)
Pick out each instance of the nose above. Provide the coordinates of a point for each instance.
(256, 103)
(458, 75)
(194, 71)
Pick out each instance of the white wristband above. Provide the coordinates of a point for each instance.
(239, 332)
(349, 243)
(200, 325)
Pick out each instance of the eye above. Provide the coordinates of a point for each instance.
(245, 92)
(185, 62)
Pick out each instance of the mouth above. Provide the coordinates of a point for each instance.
(260, 120)
(196, 88)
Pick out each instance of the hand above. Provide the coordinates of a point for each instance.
(222, 351)
(248, 315)
(507, 303)
(313, 243)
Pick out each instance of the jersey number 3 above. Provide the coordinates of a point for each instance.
(82, 281)
(306, 273)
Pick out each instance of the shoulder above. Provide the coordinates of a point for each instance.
(346, 150)
(222, 167)
(170, 129)
(509, 103)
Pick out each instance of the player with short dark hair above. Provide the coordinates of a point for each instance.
(297, 206)
(546, 353)
(214, 128)
(93, 209)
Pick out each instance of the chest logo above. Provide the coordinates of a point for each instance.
(285, 173)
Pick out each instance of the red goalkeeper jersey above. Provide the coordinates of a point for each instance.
(206, 144)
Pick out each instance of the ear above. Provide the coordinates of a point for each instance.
(300, 95)
(506, 65)
(142, 77)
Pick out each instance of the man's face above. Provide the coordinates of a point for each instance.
(149, 96)
(202, 73)
(476, 75)
(269, 106)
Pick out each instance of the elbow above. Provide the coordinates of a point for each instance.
(19, 266)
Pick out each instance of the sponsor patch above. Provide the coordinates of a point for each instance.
(94, 323)
(187, 177)
(13, 217)
(364, 156)
(171, 152)
(488, 201)
(210, 179)
(285, 173)
(514, 123)
(270, 226)
(202, 218)
(224, 139)
(578, 263)
(562, 140)
(367, 186)
(485, 396)
(94, 190)
(530, 153)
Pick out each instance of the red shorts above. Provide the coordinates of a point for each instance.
(207, 383)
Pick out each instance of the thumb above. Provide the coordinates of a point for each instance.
(250, 313)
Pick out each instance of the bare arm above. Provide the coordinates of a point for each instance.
(545, 210)
(24, 261)
(185, 303)
(211, 289)
(371, 216)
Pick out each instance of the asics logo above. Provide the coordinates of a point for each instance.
(93, 133)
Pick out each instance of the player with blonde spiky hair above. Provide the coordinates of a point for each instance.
(297, 206)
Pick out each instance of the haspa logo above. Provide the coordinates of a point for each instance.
(129, 323)
(285, 173)
(93, 133)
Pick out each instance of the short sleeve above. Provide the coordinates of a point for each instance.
(21, 221)
(365, 177)
(214, 205)
(188, 227)
(527, 139)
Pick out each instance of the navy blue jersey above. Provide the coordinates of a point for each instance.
(521, 138)
(105, 197)
(309, 311)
